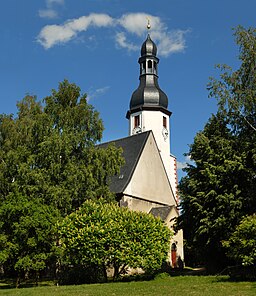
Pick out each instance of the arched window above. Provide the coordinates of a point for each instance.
(143, 68)
(155, 67)
(150, 66)
(136, 121)
(174, 255)
(164, 122)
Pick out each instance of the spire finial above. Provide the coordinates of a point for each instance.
(148, 25)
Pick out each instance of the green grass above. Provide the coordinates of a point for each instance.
(171, 286)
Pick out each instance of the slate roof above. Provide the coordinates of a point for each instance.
(148, 47)
(132, 147)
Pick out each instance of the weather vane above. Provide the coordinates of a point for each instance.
(148, 25)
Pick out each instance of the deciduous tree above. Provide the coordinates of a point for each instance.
(27, 235)
(49, 165)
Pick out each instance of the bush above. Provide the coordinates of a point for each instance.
(107, 236)
(241, 246)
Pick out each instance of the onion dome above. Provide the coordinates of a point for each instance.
(148, 95)
(148, 47)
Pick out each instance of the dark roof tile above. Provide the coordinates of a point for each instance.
(132, 147)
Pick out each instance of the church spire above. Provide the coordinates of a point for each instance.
(148, 95)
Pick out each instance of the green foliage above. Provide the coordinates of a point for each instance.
(27, 236)
(220, 184)
(236, 90)
(49, 152)
(241, 246)
(106, 235)
(211, 194)
(49, 165)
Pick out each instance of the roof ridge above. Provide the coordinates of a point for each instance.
(121, 139)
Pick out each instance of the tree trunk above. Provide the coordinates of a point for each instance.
(105, 273)
(18, 281)
(37, 278)
(116, 271)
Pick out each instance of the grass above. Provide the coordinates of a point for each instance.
(171, 286)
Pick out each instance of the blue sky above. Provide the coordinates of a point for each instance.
(96, 44)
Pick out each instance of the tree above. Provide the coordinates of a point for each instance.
(105, 235)
(219, 188)
(49, 163)
(241, 245)
(49, 152)
(27, 239)
(235, 92)
(211, 194)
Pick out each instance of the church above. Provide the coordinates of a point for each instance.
(148, 180)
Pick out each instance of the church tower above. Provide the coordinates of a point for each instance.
(149, 109)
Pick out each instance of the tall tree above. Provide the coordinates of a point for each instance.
(235, 92)
(49, 157)
(211, 192)
(49, 151)
(27, 236)
(220, 184)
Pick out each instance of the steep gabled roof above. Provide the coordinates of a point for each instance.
(132, 148)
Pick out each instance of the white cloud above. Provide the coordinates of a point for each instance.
(168, 42)
(122, 42)
(82, 23)
(50, 2)
(102, 90)
(188, 158)
(185, 163)
(50, 12)
(47, 13)
(96, 93)
(181, 165)
(55, 34)
(135, 23)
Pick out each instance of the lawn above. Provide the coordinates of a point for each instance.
(171, 286)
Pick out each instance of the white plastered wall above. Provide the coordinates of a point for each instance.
(153, 120)
(136, 204)
(142, 187)
(149, 180)
(178, 237)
